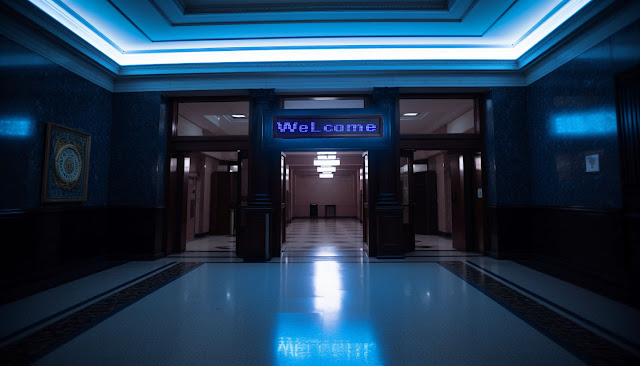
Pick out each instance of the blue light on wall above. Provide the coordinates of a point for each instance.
(585, 124)
(16, 128)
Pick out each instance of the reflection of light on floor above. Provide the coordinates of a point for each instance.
(328, 333)
(327, 287)
(302, 342)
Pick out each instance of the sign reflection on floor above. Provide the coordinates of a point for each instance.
(330, 332)
(301, 341)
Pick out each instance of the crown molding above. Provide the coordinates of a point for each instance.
(335, 81)
(429, 5)
(27, 25)
(577, 40)
(314, 66)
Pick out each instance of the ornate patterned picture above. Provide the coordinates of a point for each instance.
(66, 165)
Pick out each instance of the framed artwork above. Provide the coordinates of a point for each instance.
(66, 165)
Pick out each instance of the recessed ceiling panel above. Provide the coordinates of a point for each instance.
(157, 32)
(247, 6)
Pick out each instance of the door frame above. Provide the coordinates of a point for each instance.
(179, 147)
(366, 197)
(464, 144)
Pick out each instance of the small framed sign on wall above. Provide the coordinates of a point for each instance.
(66, 165)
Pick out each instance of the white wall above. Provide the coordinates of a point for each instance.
(341, 190)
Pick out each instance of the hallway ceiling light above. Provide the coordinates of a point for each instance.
(326, 157)
(327, 153)
(326, 175)
(326, 169)
(238, 116)
(410, 114)
(326, 162)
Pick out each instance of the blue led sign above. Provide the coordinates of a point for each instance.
(291, 127)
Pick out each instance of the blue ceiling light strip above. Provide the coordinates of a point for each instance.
(284, 49)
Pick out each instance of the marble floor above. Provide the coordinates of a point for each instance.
(335, 236)
(340, 308)
(212, 243)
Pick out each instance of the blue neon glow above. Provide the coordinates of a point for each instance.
(114, 35)
(325, 336)
(287, 127)
(594, 123)
(301, 343)
(16, 128)
(284, 127)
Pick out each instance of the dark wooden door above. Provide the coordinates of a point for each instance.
(223, 200)
(426, 203)
(408, 199)
(365, 201)
(458, 220)
(191, 206)
(283, 200)
(478, 198)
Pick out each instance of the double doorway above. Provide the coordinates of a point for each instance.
(439, 174)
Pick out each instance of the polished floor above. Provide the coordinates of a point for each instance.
(323, 236)
(212, 243)
(335, 308)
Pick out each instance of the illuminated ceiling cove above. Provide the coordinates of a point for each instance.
(148, 32)
(162, 37)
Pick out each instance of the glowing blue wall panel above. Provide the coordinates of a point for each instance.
(572, 113)
(35, 91)
(138, 150)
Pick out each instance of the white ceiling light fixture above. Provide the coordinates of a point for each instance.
(238, 116)
(326, 169)
(327, 157)
(326, 175)
(410, 114)
(326, 162)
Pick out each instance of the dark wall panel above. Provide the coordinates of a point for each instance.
(507, 148)
(572, 113)
(139, 144)
(33, 92)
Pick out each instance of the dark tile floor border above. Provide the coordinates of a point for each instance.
(80, 304)
(38, 281)
(580, 341)
(550, 303)
(52, 336)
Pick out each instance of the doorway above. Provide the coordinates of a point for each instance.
(322, 204)
(444, 195)
(205, 195)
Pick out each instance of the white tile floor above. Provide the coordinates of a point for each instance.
(341, 308)
(313, 314)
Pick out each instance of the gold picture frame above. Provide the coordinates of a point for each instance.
(66, 165)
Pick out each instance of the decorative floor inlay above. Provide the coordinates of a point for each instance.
(576, 339)
(45, 340)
